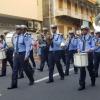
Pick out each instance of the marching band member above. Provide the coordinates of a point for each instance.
(24, 31)
(71, 50)
(63, 51)
(44, 48)
(54, 56)
(97, 51)
(85, 45)
(22, 45)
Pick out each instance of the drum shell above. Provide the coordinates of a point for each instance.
(81, 60)
(2, 54)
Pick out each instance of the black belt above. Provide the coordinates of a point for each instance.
(19, 53)
(55, 51)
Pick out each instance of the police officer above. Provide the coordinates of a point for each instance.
(9, 55)
(44, 48)
(71, 50)
(85, 45)
(22, 44)
(54, 54)
(97, 52)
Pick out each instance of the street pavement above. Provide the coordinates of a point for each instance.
(59, 90)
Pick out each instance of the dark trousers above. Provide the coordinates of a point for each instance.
(9, 55)
(63, 56)
(54, 59)
(44, 57)
(18, 63)
(32, 58)
(21, 74)
(69, 58)
(96, 62)
(90, 70)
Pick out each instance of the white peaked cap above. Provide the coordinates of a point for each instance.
(23, 26)
(17, 26)
(44, 28)
(71, 31)
(53, 26)
(84, 27)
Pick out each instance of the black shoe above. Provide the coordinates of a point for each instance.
(62, 78)
(81, 88)
(31, 82)
(40, 70)
(97, 76)
(50, 81)
(66, 74)
(12, 87)
(2, 75)
(75, 72)
(93, 83)
(20, 77)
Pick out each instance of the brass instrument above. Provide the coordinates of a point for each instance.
(49, 39)
(97, 44)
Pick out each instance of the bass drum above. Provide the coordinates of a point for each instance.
(8, 39)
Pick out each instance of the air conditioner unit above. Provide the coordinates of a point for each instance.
(30, 25)
(37, 25)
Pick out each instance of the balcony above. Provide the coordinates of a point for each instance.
(61, 12)
(69, 13)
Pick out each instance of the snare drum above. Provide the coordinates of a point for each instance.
(2, 54)
(81, 60)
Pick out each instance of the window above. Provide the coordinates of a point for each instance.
(82, 10)
(68, 4)
(60, 4)
(76, 8)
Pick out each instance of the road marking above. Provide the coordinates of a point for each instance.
(0, 94)
(55, 75)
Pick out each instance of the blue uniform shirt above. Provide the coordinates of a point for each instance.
(56, 42)
(73, 44)
(88, 43)
(95, 47)
(24, 44)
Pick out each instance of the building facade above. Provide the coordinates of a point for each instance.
(14, 12)
(67, 14)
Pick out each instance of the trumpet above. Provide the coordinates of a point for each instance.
(97, 44)
(49, 39)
